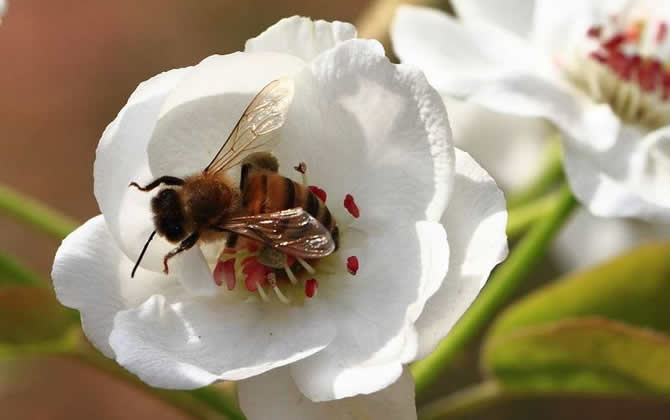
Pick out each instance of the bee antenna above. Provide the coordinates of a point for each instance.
(137, 264)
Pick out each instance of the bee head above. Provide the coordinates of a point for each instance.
(169, 215)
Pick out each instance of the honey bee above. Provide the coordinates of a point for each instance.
(284, 215)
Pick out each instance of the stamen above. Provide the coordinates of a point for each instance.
(352, 265)
(318, 192)
(306, 266)
(290, 275)
(594, 31)
(302, 168)
(255, 273)
(261, 293)
(272, 279)
(351, 206)
(633, 57)
(311, 287)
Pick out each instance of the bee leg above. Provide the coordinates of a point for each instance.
(186, 244)
(167, 180)
(270, 257)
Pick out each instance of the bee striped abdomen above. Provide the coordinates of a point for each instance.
(269, 192)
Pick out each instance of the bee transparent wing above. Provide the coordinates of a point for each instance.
(293, 231)
(253, 132)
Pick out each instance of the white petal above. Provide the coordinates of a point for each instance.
(274, 396)
(630, 178)
(203, 108)
(507, 146)
(559, 26)
(379, 132)
(458, 57)
(121, 158)
(372, 129)
(301, 37)
(178, 341)
(587, 240)
(531, 96)
(516, 16)
(373, 311)
(475, 221)
(92, 275)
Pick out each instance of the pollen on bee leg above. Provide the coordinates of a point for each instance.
(311, 288)
(306, 266)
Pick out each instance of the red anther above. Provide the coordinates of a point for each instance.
(351, 206)
(594, 31)
(229, 274)
(255, 273)
(614, 42)
(622, 65)
(311, 286)
(290, 260)
(352, 265)
(662, 32)
(301, 167)
(599, 57)
(649, 74)
(318, 192)
(218, 273)
(618, 62)
(229, 251)
(666, 85)
(225, 272)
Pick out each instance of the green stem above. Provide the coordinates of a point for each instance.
(14, 272)
(462, 403)
(501, 286)
(34, 213)
(521, 218)
(552, 172)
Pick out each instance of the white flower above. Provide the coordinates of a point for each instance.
(596, 69)
(365, 128)
(510, 148)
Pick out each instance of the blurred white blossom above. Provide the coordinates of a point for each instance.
(598, 70)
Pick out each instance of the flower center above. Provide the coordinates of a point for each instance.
(627, 65)
(251, 268)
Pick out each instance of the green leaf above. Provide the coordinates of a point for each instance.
(32, 320)
(592, 355)
(605, 330)
(633, 288)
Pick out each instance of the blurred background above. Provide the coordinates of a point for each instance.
(66, 69)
